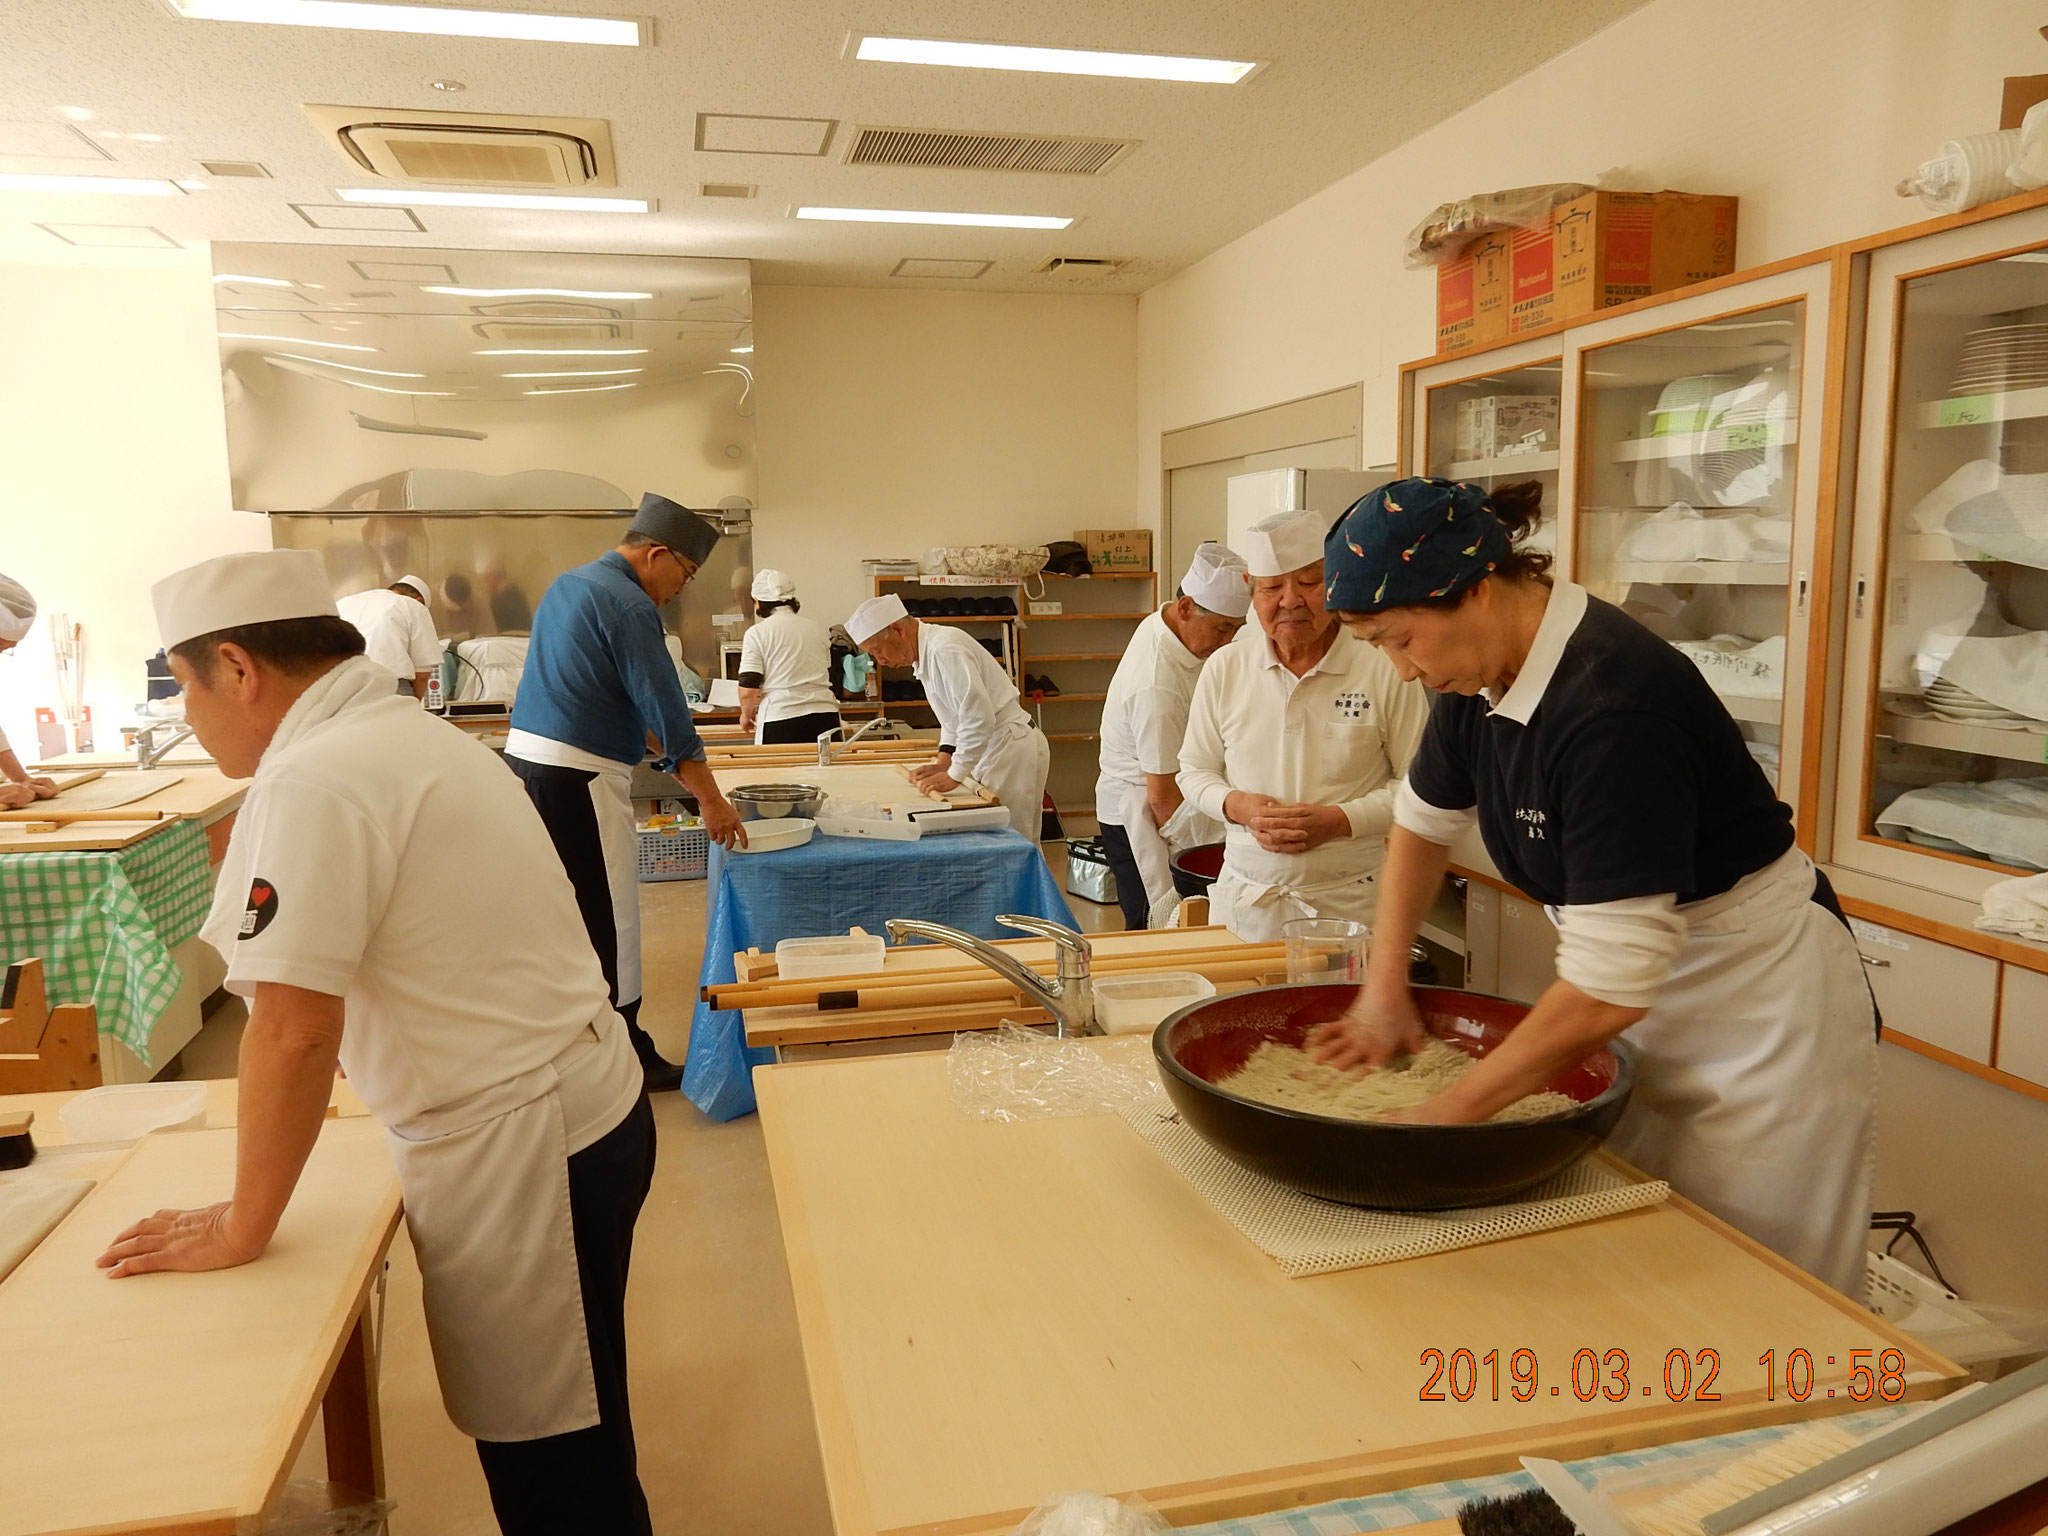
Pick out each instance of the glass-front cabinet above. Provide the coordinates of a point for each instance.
(1498, 427)
(1943, 781)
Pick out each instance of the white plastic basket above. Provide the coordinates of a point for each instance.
(673, 853)
(1972, 1333)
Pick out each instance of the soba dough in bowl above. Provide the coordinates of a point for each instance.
(1385, 1165)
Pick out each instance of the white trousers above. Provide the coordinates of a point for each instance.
(1014, 770)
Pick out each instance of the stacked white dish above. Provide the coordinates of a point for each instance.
(1958, 706)
(2002, 357)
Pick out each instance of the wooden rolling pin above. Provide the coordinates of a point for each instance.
(50, 811)
(743, 994)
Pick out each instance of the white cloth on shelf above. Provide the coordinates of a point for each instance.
(490, 667)
(1930, 513)
(2009, 522)
(1928, 607)
(2005, 820)
(1682, 533)
(2010, 671)
(2018, 907)
(1739, 668)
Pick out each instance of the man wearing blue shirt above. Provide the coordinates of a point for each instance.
(598, 692)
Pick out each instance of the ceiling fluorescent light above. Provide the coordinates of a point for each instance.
(1054, 61)
(298, 341)
(582, 389)
(434, 20)
(534, 293)
(385, 389)
(267, 282)
(562, 352)
(120, 186)
(908, 216)
(425, 199)
(328, 362)
(588, 373)
(740, 349)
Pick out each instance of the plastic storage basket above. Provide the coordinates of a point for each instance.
(1985, 1336)
(673, 853)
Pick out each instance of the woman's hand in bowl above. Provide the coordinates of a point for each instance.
(1373, 1031)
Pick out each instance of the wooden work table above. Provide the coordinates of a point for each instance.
(178, 1403)
(995, 1313)
(195, 791)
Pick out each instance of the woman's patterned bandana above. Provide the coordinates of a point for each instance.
(1410, 541)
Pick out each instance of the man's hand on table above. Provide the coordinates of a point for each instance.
(936, 775)
(722, 823)
(14, 796)
(45, 788)
(180, 1240)
(1283, 828)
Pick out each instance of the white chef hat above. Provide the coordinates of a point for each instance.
(1284, 542)
(772, 586)
(874, 616)
(1216, 580)
(259, 587)
(417, 585)
(17, 610)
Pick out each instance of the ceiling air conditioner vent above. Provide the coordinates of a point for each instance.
(547, 335)
(1080, 266)
(939, 150)
(471, 149)
(547, 309)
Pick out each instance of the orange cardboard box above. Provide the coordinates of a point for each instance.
(1532, 279)
(1454, 305)
(1472, 296)
(1611, 247)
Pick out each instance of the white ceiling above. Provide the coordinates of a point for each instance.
(1345, 81)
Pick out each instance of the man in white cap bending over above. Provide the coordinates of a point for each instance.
(1297, 739)
(1138, 803)
(390, 902)
(398, 631)
(18, 787)
(598, 693)
(984, 733)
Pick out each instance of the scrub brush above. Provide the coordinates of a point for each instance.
(1534, 1513)
(17, 1146)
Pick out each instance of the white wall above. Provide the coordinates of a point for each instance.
(113, 460)
(1809, 112)
(889, 421)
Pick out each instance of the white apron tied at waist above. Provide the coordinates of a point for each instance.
(1153, 846)
(1253, 910)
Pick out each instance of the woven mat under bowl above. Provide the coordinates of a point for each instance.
(1307, 1236)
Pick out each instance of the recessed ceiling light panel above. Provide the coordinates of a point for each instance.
(433, 20)
(343, 216)
(430, 199)
(911, 216)
(117, 236)
(1054, 61)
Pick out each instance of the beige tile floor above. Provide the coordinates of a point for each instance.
(720, 1404)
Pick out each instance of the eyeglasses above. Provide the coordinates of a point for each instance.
(689, 566)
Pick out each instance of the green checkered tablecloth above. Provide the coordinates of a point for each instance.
(105, 924)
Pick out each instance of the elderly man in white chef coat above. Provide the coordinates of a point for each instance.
(1297, 739)
(18, 787)
(984, 733)
(398, 631)
(1138, 803)
(390, 900)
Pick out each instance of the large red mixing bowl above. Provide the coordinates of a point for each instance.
(1375, 1163)
(1195, 869)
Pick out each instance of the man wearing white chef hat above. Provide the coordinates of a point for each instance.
(18, 787)
(398, 631)
(1297, 738)
(1138, 803)
(984, 733)
(390, 901)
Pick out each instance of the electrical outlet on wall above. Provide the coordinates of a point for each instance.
(1044, 608)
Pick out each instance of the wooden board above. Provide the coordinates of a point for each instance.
(222, 1108)
(885, 785)
(203, 792)
(994, 1313)
(109, 788)
(180, 1401)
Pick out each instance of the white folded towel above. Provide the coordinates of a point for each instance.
(2017, 907)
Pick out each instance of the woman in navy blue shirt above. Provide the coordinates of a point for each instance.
(1608, 781)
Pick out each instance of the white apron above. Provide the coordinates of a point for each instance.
(1254, 911)
(1013, 770)
(486, 1185)
(1758, 1073)
(611, 798)
(1153, 847)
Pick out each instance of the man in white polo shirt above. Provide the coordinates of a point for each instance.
(389, 900)
(984, 734)
(398, 631)
(1138, 803)
(1297, 739)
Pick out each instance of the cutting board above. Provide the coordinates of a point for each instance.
(96, 791)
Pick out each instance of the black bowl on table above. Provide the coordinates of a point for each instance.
(1196, 869)
(1387, 1166)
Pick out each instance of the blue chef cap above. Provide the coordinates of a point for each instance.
(1411, 541)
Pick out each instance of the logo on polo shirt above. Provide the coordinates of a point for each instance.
(261, 909)
(1353, 706)
(1532, 823)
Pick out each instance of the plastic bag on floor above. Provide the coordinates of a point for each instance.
(326, 1509)
(1093, 1514)
(1015, 1073)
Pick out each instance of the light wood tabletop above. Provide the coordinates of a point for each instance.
(195, 791)
(178, 1403)
(223, 1104)
(995, 1313)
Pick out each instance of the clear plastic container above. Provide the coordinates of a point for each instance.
(846, 954)
(127, 1111)
(1127, 1005)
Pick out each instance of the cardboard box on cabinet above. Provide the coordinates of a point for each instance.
(1116, 549)
(1611, 247)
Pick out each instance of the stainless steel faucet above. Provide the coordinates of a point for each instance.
(1070, 998)
(829, 739)
(149, 751)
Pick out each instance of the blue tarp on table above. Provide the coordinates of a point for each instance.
(961, 879)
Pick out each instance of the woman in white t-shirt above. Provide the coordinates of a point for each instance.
(785, 668)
